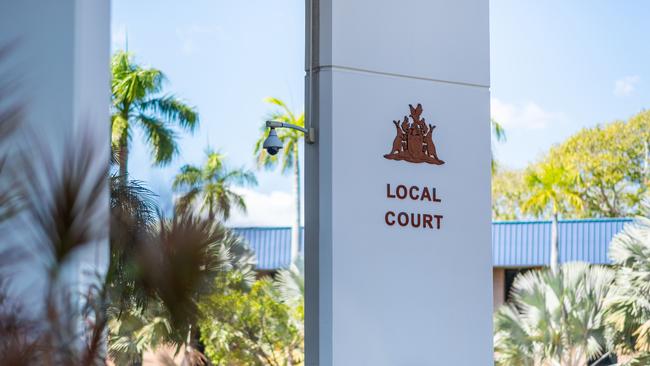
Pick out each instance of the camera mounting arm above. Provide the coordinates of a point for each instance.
(310, 133)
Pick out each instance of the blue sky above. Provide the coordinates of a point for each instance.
(556, 67)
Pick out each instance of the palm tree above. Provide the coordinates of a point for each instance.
(555, 318)
(137, 101)
(551, 188)
(212, 183)
(628, 307)
(288, 159)
(176, 264)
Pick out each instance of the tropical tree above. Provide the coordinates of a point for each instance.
(251, 327)
(613, 161)
(173, 267)
(137, 101)
(509, 192)
(212, 184)
(551, 189)
(288, 158)
(555, 318)
(159, 269)
(628, 306)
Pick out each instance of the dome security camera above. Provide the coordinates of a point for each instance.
(272, 144)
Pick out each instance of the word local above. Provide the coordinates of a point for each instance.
(416, 220)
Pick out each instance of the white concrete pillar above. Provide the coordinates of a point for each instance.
(378, 293)
(60, 62)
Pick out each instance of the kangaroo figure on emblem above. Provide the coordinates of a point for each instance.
(398, 142)
(413, 142)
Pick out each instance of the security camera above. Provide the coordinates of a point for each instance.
(273, 150)
(272, 144)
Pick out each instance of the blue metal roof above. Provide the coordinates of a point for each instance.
(527, 243)
(514, 243)
(271, 245)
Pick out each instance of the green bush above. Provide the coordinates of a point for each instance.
(255, 327)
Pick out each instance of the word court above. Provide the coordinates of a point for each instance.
(413, 219)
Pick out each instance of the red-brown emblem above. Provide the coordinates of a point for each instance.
(414, 142)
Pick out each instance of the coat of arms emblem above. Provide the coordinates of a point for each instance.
(414, 141)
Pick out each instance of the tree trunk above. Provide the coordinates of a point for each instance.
(123, 148)
(122, 159)
(555, 247)
(295, 228)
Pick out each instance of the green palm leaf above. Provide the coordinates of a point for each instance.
(554, 318)
(173, 110)
(553, 190)
(212, 183)
(628, 308)
(136, 101)
(160, 138)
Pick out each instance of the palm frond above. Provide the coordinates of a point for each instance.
(172, 110)
(240, 177)
(628, 309)
(61, 205)
(189, 177)
(133, 216)
(130, 81)
(552, 189)
(224, 200)
(554, 316)
(160, 138)
(181, 261)
(283, 106)
(291, 282)
(185, 203)
(214, 164)
(238, 201)
(497, 130)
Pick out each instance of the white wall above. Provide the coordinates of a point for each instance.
(386, 295)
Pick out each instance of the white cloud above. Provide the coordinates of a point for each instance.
(527, 116)
(626, 86)
(189, 36)
(264, 209)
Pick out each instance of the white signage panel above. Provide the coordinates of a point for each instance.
(411, 268)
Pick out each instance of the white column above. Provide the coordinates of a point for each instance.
(60, 60)
(379, 293)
